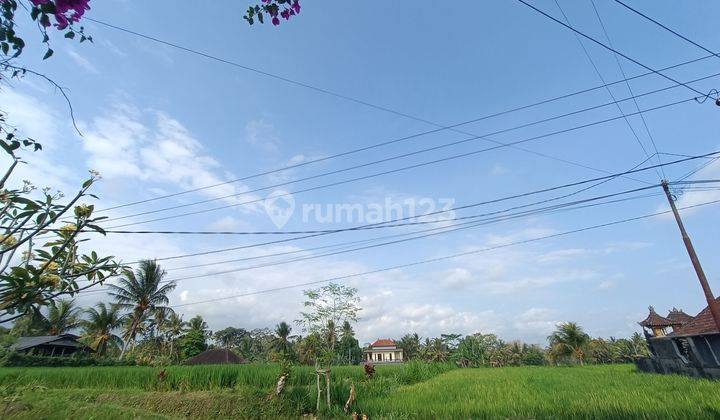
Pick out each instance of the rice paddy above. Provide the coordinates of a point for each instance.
(412, 390)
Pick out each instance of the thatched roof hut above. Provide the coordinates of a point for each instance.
(215, 357)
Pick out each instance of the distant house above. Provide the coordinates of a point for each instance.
(691, 348)
(51, 345)
(215, 357)
(383, 350)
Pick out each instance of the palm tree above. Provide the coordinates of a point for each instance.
(437, 350)
(281, 343)
(62, 316)
(99, 326)
(569, 339)
(141, 293)
(174, 328)
(157, 325)
(197, 323)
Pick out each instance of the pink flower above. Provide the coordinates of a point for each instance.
(285, 14)
(67, 12)
(275, 21)
(296, 6)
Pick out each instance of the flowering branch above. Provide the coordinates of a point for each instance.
(275, 9)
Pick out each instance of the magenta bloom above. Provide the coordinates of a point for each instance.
(296, 6)
(275, 21)
(67, 12)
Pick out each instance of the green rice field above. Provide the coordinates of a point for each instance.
(412, 390)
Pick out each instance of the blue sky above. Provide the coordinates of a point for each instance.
(156, 120)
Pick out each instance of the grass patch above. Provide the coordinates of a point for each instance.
(412, 390)
(592, 392)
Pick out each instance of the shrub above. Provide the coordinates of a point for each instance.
(15, 359)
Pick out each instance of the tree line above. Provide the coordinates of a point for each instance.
(139, 325)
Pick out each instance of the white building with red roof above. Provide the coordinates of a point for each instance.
(383, 350)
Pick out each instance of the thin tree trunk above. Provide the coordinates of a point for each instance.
(317, 402)
(124, 348)
(327, 386)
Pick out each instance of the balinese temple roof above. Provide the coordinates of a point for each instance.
(679, 317)
(654, 320)
(702, 323)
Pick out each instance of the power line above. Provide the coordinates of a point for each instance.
(609, 91)
(396, 170)
(630, 90)
(443, 258)
(610, 48)
(382, 224)
(575, 205)
(681, 36)
(445, 229)
(404, 155)
(325, 91)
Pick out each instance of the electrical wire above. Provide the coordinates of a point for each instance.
(610, 48)
(437, 231)
(630, 90)
(438, 259)
(325, 91)
(396, 170)
(444, 145)
(609, 91)
(679, 35)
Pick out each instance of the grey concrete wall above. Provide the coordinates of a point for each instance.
(697, 356)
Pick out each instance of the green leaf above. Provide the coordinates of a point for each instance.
(97, 228)
(48, 54)
(70, 35)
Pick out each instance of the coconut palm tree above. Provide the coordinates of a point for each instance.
(437, 350)
(173, 329)
(157, 325)
(141, 293)
(569, 339)
(197, 323)
(281, 343)
(101, 321)
(62, 317)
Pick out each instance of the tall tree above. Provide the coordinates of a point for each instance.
(229, 337)
(141, 293)
(326, 308)
(99, 327)
(62, 316)
(174, 329)
(281, 342)
(569, 340)
(437, 350)
(197, 323)
(410, 343)
(348, 349)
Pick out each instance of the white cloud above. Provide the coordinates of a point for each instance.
(123, 146)
(82, 61)
(385, 317)
(537, 321)
(606, 285)
(262, 135)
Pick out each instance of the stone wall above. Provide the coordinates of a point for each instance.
(696, 355)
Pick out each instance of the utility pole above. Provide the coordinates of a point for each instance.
(714, 310)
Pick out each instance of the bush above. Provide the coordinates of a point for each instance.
(15, 359)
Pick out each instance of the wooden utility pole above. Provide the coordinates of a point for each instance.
(714, 310)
